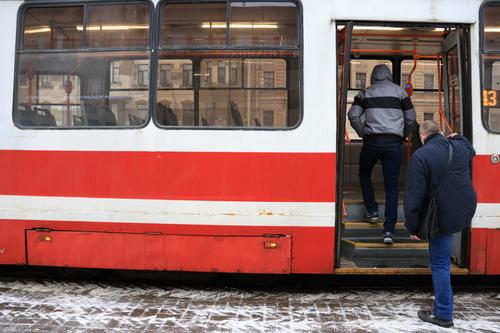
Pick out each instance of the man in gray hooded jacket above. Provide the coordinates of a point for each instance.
(383, 116)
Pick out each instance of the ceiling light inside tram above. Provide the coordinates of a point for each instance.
(492, 29)
(113, 27)
(240, 25)
(377, 28)
(37, 30)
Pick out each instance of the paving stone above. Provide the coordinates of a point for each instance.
(54, 306)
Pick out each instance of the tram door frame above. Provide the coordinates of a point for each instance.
(343, 72)
(458, 67)
(459, 38)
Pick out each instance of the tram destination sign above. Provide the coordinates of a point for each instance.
(490, 98)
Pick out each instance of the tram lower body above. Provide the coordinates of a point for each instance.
(189, 212)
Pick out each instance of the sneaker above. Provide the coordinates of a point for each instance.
(372, 217)
(428, 317)
(387, 237)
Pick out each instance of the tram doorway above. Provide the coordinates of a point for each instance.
(432, 62)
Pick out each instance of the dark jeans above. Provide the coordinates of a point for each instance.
(439, 258)
(390, 152)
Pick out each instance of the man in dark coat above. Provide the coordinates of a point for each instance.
(383, 116)
(456, 206)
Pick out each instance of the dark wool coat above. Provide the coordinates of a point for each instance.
(457, 199)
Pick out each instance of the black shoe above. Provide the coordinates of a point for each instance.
(428, 317)
(387, 238)
(372, 217)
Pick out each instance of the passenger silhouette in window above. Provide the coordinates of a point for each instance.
(235, 113)
(108, 117)
(166, 116)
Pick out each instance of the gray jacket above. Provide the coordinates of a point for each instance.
(383, 107)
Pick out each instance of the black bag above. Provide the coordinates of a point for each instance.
(429, 223)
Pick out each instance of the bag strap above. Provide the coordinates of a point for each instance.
(450, 156)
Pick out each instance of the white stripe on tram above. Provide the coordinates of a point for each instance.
(239, 213)
(487, 216)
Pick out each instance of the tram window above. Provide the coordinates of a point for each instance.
(491, 92)
(236, 99)
(193, 25)
(175, 100)
(49, 102)
(263, 24)
(53, 28)
(243, 108)
(77, 89)
(77, 86)
(491, 26)
(229, 87)
(123, 26)
(491, 67)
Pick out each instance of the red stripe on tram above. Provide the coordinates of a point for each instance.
(486, 179)
(272, 177)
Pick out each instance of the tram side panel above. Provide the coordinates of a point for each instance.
(263, 199)
(233, 201)
(485, 252)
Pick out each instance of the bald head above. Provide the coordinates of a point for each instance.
(427, 128)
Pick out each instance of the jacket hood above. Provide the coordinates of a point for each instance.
(381, 72)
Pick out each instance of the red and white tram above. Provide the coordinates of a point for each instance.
(211, 135)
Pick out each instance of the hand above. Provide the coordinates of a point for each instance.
(452, 135)
(415, 237)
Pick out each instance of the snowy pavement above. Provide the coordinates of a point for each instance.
(53, 306)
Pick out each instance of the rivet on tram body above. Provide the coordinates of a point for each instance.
(495, 158)
(270, 245)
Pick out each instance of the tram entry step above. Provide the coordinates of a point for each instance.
(361, 242)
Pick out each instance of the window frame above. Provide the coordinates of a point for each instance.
(361, 86)
(142, 73)
(167, 68)
(432, 81)
(483, 52)
(227, 47)
(19, 50)
(272, 80)
(115, 79)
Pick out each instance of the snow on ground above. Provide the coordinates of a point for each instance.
(52, 306)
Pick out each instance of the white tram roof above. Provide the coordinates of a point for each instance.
(431, 11)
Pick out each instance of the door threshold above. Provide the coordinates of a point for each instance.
(394, 271)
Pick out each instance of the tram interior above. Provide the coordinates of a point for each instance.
(428, 62)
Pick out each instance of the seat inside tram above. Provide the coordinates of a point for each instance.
(430, 62)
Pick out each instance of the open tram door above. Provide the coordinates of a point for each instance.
(457, 109)
(434, 60)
